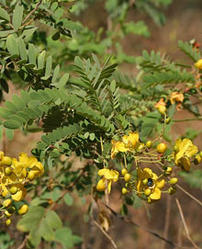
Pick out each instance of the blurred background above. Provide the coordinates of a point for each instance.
(183, 22)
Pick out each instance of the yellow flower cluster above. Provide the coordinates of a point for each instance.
(149, 184)
(127, 143)
(14, 175)
(142, 180)
(184, 150)
(108, 177)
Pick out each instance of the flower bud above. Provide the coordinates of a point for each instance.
(149, 144)
(171, 190)
(6, 160)
(8, 171)
(145, 181)
(124, 191)
(197, 159)
(124, 171)
(101, 185)
(161, 148)
(13, 190)
(173, 180)
(8, 222)
(7, 213)
(7, 203)
(127, 177)
(23, 209)
(147, 191)
(168, 170)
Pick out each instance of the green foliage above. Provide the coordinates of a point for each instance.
(73, 93)
(41, 223)
(187, 48)
(167, 77)
(5, 240)
(194, 178)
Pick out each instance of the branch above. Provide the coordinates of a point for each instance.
(23, 244)
(190, 195)
(32, 12)
(184, 224)
(106, 234)
(187, 119)
(127, 220)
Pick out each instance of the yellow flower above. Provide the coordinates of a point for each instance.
(198, 64)
(20, 194)
(117, 146)
(176, 97)
(161, 106)
(131, 140)
(27, 164)
(184, 150)
(149, 183)
(108, 176)
(128, 143)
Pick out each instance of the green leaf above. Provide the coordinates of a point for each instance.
(32, 54)
(5, 33)
(12, 45)
(22, 49)
(9, 134)
(62, 82)
(68, 199)
(189, 51)
(17, 16)
(48, 70)
(53, 220)
(40, 223)
(56, 73)
(193, 178)
(4, 14)
(66, 238)
(138, 28)
(12, 124)
(41, 59)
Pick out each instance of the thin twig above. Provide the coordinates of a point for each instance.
(32, 12)
(127, 220)
(184, 224)
(4, 147)
(167, 219)
(187, 119)
(106, 234)
(68, 188)
(23, 244)
(190, 195)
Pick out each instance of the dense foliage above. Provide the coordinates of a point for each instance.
(70, 89)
